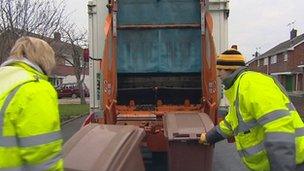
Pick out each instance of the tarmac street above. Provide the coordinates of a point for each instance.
(70, 128)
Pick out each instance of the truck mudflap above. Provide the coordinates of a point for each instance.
(93, 117)
(89, 119)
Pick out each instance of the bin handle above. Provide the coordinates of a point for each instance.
(193, 136)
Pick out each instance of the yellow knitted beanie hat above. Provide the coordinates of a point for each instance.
(230, 59)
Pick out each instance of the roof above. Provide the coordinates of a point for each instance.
(282, 47)
(58, 46)
(61, 48)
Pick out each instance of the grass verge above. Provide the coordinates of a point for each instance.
(68, 111)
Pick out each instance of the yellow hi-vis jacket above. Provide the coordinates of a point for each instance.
(30, 138)
(269, 133)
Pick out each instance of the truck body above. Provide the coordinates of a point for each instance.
(150, 58)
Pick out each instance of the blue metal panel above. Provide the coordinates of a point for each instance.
(138, 51)
(163, 50)
(159, 50)
(179, 50)
(158, 11)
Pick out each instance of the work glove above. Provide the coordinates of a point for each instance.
(203, 139)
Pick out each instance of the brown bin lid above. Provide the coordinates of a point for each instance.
(186, 126)
(100, 147)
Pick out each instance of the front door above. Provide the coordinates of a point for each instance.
(289, 83)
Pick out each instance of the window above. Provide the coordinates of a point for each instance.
(285, 56)
(265, 61)
(273, 59)
(68, 59)
(258, 62)
(66, 63)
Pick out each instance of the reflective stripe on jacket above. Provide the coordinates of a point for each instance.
(268, 130)
(30, 137)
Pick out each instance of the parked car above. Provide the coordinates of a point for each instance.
(71, 90)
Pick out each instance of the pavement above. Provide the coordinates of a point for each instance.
(226, 158)
(72, 100)
(70, 128)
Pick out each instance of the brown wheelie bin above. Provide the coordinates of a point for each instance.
(182, 131)
(104, 148)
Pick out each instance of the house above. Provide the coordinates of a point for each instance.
(64, 71)
(284, 61)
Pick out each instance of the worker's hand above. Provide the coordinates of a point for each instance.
(203, 139)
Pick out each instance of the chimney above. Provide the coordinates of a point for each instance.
(234, 47)
(293, 33)
(256, 54)
(57, 36)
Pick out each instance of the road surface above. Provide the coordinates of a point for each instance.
(69, 129)
(225, 155)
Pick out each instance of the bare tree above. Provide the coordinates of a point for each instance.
(26, 17)
(77, 40)
(43, 19)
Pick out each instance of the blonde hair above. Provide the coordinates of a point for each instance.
(36, 51)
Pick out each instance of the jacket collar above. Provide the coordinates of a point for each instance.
(27, 65)
(24, 60)
(229, 81)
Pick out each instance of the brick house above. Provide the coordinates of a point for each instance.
(64, 71)
(284, 61)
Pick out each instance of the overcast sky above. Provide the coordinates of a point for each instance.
(253, 24)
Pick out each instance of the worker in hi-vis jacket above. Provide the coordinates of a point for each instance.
(268, 131)
(30, 137)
